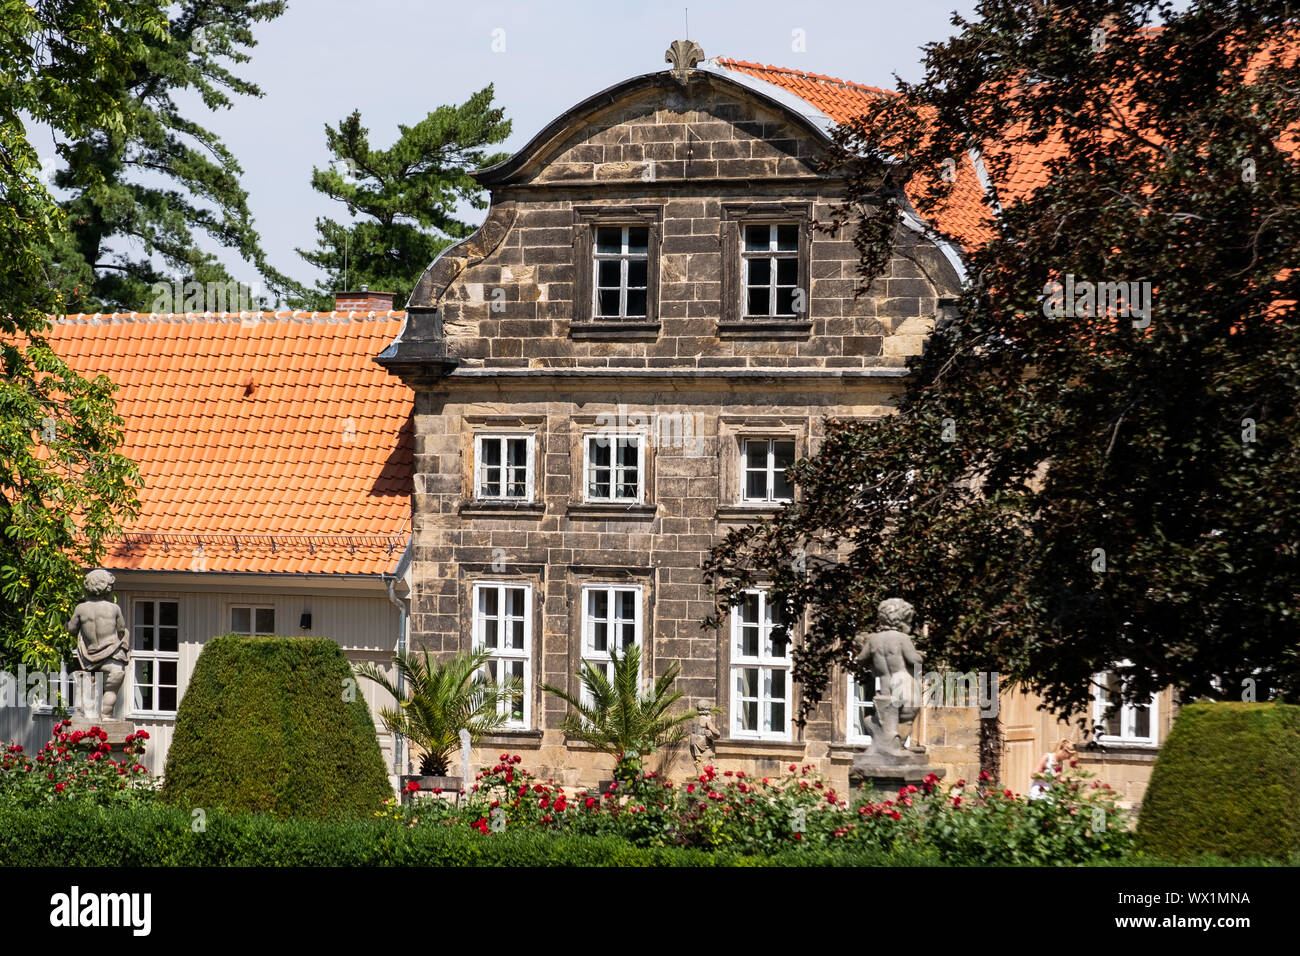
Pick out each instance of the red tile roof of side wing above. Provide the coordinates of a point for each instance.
(268, 442)
(964, 215)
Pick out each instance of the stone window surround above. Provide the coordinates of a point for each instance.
(530, 466)
(732, 432)
(735, 216)
(472, 426)
(585, 221)
(582, 427)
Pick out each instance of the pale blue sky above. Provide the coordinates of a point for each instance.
(395, 60)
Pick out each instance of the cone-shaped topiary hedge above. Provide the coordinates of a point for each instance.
(275, 725)
(1227, 782)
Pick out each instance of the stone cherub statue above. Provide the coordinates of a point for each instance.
(702, 738)
(101, 640)
(893, 659)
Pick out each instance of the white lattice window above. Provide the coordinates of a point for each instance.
(503, 625)
(615, 469)
(503, 467)
(1116, 722)
(770, 270)
(155, 656)
(760, 669)
(611, 621)
(622, 269)
(764, 462)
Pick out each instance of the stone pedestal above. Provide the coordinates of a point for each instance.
(116, 729)
(884, 774)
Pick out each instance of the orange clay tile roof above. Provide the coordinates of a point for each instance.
(964, 216)
(267, 441)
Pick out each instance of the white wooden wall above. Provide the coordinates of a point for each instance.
(366, 627)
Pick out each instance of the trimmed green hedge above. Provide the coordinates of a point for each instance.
(1227, 782)
(75, 834)
(264, 728)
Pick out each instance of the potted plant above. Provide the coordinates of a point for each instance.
(440, 699)
(616, 717)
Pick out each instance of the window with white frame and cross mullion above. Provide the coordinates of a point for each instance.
(765, 463)
(760, 669)
(622, 267)
(611, 624)
(504, 467)
(770, 259)
(503, 625)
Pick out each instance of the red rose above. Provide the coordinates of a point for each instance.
(591, 802)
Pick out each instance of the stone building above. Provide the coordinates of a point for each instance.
(616, 369)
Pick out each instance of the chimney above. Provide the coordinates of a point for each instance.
(363, 301)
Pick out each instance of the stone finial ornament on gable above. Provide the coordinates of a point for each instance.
(683, 55)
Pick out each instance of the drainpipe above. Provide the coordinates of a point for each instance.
(399, 744)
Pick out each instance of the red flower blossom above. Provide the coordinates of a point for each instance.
(591, 802)
(481, 825)
(412, 786)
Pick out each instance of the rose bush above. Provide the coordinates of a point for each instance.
(986, 825)
(75, 765)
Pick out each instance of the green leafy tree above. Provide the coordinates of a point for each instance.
(616, 717)
(1063, 492)
(440, 699)
(63, 487)
(142, 194)
(409, 194)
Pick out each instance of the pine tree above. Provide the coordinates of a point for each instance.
(141, 195)
(409, 193)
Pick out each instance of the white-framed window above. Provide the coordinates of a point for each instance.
(611, 621)
(770, 270)
(622, 270)
(503, 615)
(760, 669)
(503, 467)
(861, 705)
(59, 689)
(764, 462)
(155, 656)
(252, 620)
(615, 467)
(1121, 723)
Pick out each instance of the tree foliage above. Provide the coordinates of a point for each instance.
(1059, 494)
(142, 193)
(410, 194)
(63, 487)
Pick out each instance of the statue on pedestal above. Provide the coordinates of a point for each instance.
(702, 738)
(896, 664)
(102, 644)
(888, 763)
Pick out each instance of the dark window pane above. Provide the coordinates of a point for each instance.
(167, 613)
(636, 302)
(756, 485)
(760, 271)
(759, 300)
(787, 237)
(516, 597)
(144, 638)
(636, 273)
(780, 641)
(610, 274)
(518, 451)
(599, 452)
(488, 602)
(265, 620)
(608, 302)
(144, 613)
(490, 633)
(785, 301)
(609, 239)
(599, 636)
(787, 271)
(167, 672)
(756, 454)
(517, 635)
(241, 620)
(491, 451)
(627, 605)
(638, 239)
(167, 638)
(628, 452)
(166, 698)
(756, 238)
(749, 609)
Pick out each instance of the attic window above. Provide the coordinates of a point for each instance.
(616, 255)
(766, 278)
(622, 270)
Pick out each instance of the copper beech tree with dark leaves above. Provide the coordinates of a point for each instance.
(1067, 489)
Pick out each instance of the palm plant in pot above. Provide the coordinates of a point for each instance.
(617, 717)
(438, 700)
